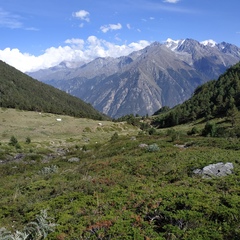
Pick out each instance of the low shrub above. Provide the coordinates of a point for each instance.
(28, 140)
(114, 137)
(13, 141)
(153, 148)
(193, 131)
(210, 129)
(35, 230)
(49, 170)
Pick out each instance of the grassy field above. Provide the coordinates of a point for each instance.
(44, 127)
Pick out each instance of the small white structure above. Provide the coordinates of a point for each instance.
(59, 119)
(99, 124)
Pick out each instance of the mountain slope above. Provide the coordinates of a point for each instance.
(217, 98)
(17, 90)
(144, 81)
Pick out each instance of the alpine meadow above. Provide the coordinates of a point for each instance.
(119, 120)
(70, 172)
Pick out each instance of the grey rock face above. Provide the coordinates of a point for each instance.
(215, 170)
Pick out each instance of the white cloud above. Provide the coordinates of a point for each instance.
(109, 27)
(171, 1)
(10, 20)
(78, 43)
(73, 51)
(13, 21)
(150, 18)
(117, 38)
(83, 15)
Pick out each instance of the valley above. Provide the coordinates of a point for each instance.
(120, 120)
(70, 172)
(162, 74)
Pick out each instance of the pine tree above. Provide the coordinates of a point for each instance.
(232, 114)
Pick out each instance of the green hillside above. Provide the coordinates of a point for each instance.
(217, 98)
(17, 90)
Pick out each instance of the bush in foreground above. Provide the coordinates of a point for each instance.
(36, 230)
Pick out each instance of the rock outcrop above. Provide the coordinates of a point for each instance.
(215, 170)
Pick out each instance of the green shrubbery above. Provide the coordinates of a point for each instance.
(119, 190)
(210, 129)
(153, 148)
(49, 170)
(114, 137)
(13, 141)
(193, 131)
(28, 140)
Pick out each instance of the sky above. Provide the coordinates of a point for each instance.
(38, 34)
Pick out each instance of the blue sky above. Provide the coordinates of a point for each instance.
(41, 33)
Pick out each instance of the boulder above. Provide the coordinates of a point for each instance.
(73, 159)
(215, 170)
(142, 145)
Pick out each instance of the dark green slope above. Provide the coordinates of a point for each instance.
(212, 99)
(17, 90)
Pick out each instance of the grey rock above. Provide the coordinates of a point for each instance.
(197, 171)
(180, 145)
(143, 145)
(19, 156)
(74, 159)
(215, 170)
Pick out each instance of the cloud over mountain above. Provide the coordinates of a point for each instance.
(73, 50)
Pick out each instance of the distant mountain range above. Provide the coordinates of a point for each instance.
(144, 81)
(19, 91)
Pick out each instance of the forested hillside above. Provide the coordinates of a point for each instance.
(216, 98)
(17, 90)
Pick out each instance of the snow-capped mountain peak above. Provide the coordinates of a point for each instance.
(171, 41)
(210, 43)
(173, 44)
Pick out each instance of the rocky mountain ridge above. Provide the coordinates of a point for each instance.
(144, 81)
